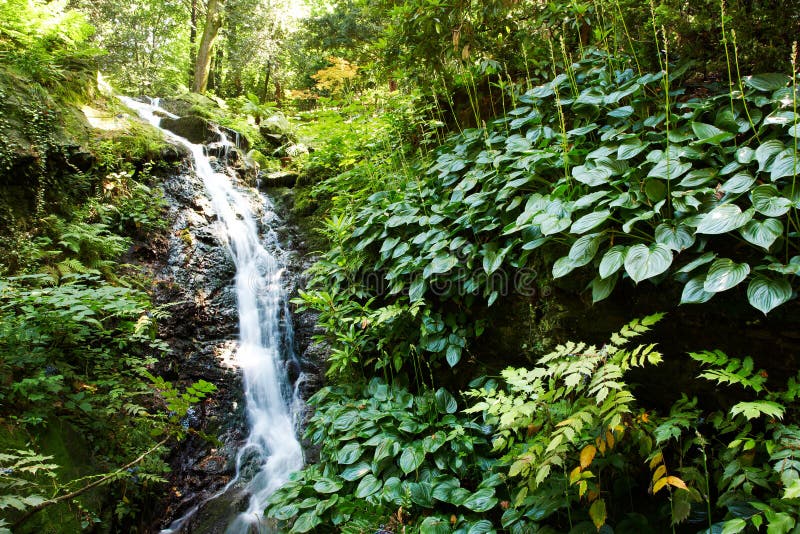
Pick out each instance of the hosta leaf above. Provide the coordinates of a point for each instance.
(630, 148)
(592, 177)
(612, 260)
(697, 177)
(643, 262)
(356, 471)
(445, 402)
(767, 82)
(584, 249)
(762, 233)
(443, 490)
(669, 169)
(706, 133)
(435, 525)
(368, 485)
(768, 201)
(589, 221)
(745, 155)
(602, 287)
(481, 501)
(441, 264)
(738, 183)
(417, 290)
(784, 164)
(553, 224)
(677, 238)
(621, 112)
(563, 266)
(326, 485)
(411, 458)
(693, 292)
(307, 521)
(348, 454)
(708, 257)
(766, 294)
(481, 527)
(766, 151)
(723, 219)
(724, 274)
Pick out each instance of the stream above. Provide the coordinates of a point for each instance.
(271, 452)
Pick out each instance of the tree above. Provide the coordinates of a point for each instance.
(214, 15)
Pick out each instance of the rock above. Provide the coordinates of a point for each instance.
(277, 179)
(275, 140)
(196, 129)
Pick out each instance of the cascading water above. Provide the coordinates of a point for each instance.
(265, 340)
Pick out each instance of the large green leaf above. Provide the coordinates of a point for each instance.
(591, 176)
(612, 260)
(768, 82)
(602, 287)
(723, 219)
(630, 148)
(563, 266)
(435, 525)
(412, 458)
(706, 133)
(783, 165)
(387, 448)
(305, 522)
(445, 402)
(356, 471)
(767, 151)
(762, 233)
(483, 526)
(421, 493)
(693, 292)
(481, 501)
(349, 454)
(327, 485)
(589, 221)
(766, 294)
(368, 485)
(643, 262)
(444, 489)
(584, 249)
(724, 274)
(677, 238)
(768, 201)
(738, 183)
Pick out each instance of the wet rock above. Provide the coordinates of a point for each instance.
(196, 129)
(277, 179)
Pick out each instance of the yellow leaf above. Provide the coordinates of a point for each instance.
(660, 483)
(587, 455)
(678, 483)
(660, 472)
(657, 459)
(582, 485)
(601, 445)
(598, 513)
(575, 475)
(610, 439)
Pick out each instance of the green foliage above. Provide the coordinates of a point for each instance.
(622, 194)
(390, 457)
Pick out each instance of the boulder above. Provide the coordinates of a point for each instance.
(196, 129)
(277, 179)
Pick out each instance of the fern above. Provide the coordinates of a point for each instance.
(724, 370)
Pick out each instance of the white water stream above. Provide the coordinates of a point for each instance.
(264, 339)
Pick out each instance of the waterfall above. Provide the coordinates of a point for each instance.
(265, 340)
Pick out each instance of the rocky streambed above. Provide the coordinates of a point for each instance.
(194, 280)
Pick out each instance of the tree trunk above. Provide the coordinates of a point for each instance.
(265, 88)
(193, 40)
(210, 32)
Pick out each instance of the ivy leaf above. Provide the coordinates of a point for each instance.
(612, 260)
(725, 274)
(768, 201)
(723, 219)
(766, 294)
(762, 233)
(693, 292)
(589, 221)
(752, 410)
(643, 262)
(677, 238)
